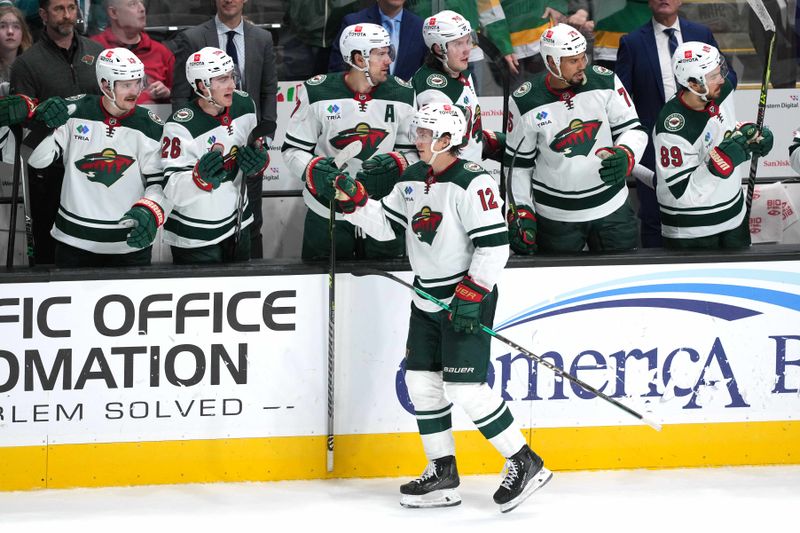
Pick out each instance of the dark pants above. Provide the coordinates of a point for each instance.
(67, 256)
(317, 242)
(736, 238)
(45, 197)
(615, 232)
(221, 252)
(255, 186)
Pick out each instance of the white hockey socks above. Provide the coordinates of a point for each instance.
(432, 410)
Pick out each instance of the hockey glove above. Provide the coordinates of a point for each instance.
(494, 145)
(763, 143)
(143, 218)
(208, 172)
(350, 193)
(617, 164)
(16, 109)
(730, 153)
(522, 231)
(465, 308)
(53, 112)
(319, 176)
(380, 172)
(253, 161)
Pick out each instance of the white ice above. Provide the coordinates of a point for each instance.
(746, 499)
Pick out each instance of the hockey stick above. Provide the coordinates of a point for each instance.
(340, 161)
(498, 59)
(16, 134)
(373, 271)
(769, 26)
(512, 203)
(255, 139)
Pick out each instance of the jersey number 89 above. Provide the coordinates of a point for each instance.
(671, 156)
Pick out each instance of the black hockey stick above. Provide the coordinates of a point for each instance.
(512, 203)
(19, 177)
(255, 139)
(509, 342)
(769, 26)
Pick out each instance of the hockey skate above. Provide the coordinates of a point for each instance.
(524, 474)
(436, 487)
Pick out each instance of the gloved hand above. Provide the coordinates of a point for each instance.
(143, 218)
(319, 176)
(208, 172)
(253, 160)
(465, 308)
(763, 143)
(16, 109)
(494, 145)
(351, 194)
(730, 153)
(618, 162)
(53, 112)
(522, 237)
(380, 172)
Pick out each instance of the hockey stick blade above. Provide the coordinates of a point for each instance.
(359, 272)
(763, 15)
(347, 153)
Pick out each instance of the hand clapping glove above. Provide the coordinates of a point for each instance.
(53, 112)
(319, 175)
(208, 172)
(253, 160)
(617, 164)
(350, 193)
(759, 143)
(16, 109)
(465, 308)
(380, 172)
(731, 152)
(143, 218)
(494, 145)
(522, 237)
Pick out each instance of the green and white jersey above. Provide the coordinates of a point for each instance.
(693, 201)
(109, 164)
(794, 153)
(556, 170)
(453, 223)
(432, 85)
(201, 218)
(328, 116)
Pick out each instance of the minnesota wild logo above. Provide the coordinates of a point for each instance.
(230, 162)
(369, 137)
(425, 224)
(577, 138)
(105, 167)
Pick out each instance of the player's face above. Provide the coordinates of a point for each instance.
(10, 32)
(379, 61)
(573, 68)
(222, 88)
(126, 93)
(130, 14)
(423, 140)
(458, 53)
(60, 16)
(714, 82)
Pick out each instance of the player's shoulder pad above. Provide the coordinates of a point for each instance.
(416, 172)
(465, 172)
(146, 122)
(84, 103)
(326, 87)
(598, 78)
(241, 104)
(532, 94)
(677, 119)
(182, 115)
(395, 89)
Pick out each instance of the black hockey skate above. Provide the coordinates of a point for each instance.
(436, 487)
(525, 474)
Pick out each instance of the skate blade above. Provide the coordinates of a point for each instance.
(437, 498)
(539, 481)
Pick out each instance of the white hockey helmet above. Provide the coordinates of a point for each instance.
(560, 41)
(205, 64)
(364, 38)
(443, 27)
(118, 64)
(693, 61)
(441, 119)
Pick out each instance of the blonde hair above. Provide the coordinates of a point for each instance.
(27, 40)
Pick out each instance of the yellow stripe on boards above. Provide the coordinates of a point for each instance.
(387, 455)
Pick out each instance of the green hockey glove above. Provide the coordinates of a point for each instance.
(763, 143)
(522, 230)
(208, 172)
(319, 176)
(494, 145)
(253, 160)
(465, 308)
(380, 172)
(350, 193)
(16, 109)
(53, 112)
(617, 164)
(143, 218)
(730, 153)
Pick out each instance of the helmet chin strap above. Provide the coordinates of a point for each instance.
(209, 98)
(703, 96)
(435, 152)
(443, 60)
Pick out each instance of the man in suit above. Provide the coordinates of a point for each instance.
(644, 65)
(405, 31)
(254, 62)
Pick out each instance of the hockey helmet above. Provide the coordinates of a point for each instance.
(206, 64)
(442, 28)
(363, 38)
(118, 64)
(560, 41)
(693, 61)
(441, 119)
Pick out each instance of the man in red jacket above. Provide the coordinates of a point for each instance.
(126, 30)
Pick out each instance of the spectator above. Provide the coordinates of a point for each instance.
(527, 20)
(644, 67)
(61, 63)
(250, 48)
(405, 29)
(613, 25)
(126, 30)
(15, 38)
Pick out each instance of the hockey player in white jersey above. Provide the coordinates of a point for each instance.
(450, 211)
(207, 154)
(576, 136)
(699, 150)
(444, 78)
(365, 105)
(112, 200)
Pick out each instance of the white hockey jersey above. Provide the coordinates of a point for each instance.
(555, 134)
(794, 151)
(328, 116)
(693, 201)
(202, 218)
(454, 226)
(432, 85)
(109, 164)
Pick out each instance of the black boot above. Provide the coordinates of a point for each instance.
(525, 473)
(435, 487)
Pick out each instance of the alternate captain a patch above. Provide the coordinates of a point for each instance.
(425, 224)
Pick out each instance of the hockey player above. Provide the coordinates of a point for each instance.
(794, 153)
(451, 213)
(444, 78)
(206, 155)
(112, 200)
(365, 105)
(698, 149)
(576, 137)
